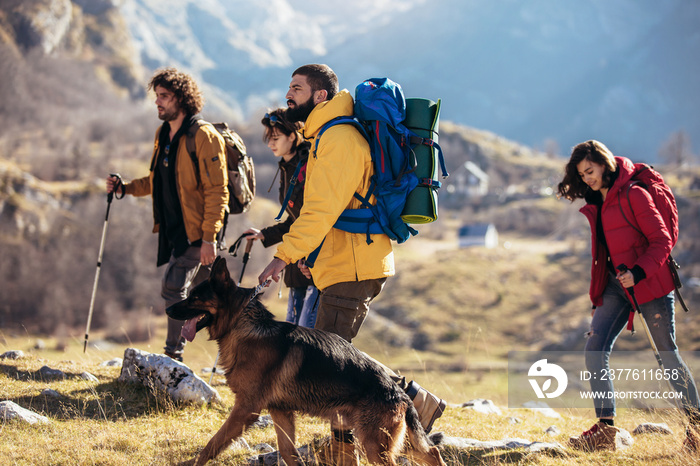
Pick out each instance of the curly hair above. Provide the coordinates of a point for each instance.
(572, 186)
(183, 86)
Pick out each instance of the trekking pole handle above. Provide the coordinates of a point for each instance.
(117, 185)
(622, 268)
(233, 250)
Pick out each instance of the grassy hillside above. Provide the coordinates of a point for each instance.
(447, 320)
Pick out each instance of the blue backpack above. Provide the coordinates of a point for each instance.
(380, 114)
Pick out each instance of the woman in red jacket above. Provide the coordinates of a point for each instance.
(593, 173)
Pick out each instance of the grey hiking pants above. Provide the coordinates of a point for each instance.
(181, 274)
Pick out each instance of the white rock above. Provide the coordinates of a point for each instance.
(482, 406)
(89, 377)
(623, 440)
(174, 377)
(112, 362)
(542, 408)
(652, 428)
(263, 448)
(47, 373)
(12, 411)
(240, 444)
(263, 421)
(14, 354)
(464, 443)
(51, 393)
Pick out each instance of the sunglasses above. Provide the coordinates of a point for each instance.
(273, 119)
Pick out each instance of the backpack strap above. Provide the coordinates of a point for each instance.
(673, 266)
(290, 189)
(417, 140)
(622, 211)
(191, 144)
(341, 120)
(346, 218)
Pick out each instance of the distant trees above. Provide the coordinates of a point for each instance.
(676, 151)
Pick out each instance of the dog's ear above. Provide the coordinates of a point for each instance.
(219, 273)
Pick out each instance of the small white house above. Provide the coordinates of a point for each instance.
(478, 234)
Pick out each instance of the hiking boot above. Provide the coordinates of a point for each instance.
(338, 450)
(429, 406)
(599, 437)
(691, 443)
(176, 357)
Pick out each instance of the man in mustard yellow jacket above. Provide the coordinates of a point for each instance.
(349, 272)
(190, 197)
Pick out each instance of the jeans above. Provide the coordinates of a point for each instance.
(608, 322)
(181, 275)
(302, 306)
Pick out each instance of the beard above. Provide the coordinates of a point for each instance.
(169, 115)
(300, 112)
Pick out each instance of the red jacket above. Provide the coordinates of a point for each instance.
(625, 244)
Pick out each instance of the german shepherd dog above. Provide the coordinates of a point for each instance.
(284, 368)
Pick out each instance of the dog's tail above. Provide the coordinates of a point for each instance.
(416, 434)
(424, 446)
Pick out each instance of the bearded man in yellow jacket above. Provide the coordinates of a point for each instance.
(349, 272)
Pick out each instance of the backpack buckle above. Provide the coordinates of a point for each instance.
(417, 140)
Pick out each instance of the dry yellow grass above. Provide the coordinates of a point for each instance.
(475, 305)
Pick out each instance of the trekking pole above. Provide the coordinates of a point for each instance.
(623, 268)
(246, 256)
(279, 289)
(110, 196)
(213, 369)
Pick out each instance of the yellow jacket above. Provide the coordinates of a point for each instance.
(341, 167)
(203, 199)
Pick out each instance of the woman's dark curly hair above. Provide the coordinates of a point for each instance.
(572, 186)
(183, 86)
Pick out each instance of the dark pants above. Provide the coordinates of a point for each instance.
(181, 274)
(343, 307)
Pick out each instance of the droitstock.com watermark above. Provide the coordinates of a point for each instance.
(567, 379)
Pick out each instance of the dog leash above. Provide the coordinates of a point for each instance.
(258, 289)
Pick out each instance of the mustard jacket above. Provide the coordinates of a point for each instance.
(203, 203)
(341, 167)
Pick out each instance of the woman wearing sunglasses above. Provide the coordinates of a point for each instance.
(285, 141)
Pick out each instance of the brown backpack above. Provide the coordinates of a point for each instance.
(239, 165)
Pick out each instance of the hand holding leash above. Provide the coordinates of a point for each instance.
(272, 271)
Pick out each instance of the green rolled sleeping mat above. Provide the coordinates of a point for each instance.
(422, 117)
